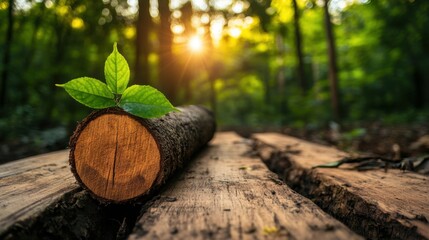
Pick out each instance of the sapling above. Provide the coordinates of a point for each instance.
(140, 100)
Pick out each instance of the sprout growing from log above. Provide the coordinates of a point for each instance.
(142, 101)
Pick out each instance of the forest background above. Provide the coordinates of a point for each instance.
(259, 64)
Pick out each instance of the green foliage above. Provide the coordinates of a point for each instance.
(247, 94)
(90, 92)
(382, 49)
(145, 101)
(117, 72)
(141, 101)
(354, 134)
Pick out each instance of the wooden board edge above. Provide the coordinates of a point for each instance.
(356, 212)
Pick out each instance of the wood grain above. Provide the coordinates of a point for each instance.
(225, 195)
(29, 185)
(376, 204)
(116, 157)
(39, 199)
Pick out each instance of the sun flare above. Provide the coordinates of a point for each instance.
(195, 44)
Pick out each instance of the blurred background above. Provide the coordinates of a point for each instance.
(331, 71)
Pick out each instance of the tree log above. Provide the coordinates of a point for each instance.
(118, 157)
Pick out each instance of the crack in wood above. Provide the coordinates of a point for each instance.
(372, 207)
(230, 203)
(116, 155)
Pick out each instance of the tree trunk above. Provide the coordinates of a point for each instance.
(281, 77)
(266, 79)
(6, 56)
(28, 60)
(417, 82)
(167, 65)
(118, 157)
(187, 65)
(333, 78)
(298, 47)
(281, 91)
(61, 45)
(212, 81)
(143, 25)
(420, 82)
(214, 69)
(33, 40)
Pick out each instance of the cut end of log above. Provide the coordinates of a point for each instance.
(116, 157)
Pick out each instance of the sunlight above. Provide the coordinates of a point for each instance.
(234, 27)
(234, 32)
(4, 5)
(177, 29)
(129, 32)
(195, 44)
(216, 28)
(77, 23)
(238, 7)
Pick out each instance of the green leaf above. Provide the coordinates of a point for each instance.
(116, 71)
(90, 92)
(145, 102)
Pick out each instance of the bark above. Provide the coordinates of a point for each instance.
(118, 157)
(298, 47)
(333, 77)
(168, 76)
(6, 56)
(76, 215)
(143, 25)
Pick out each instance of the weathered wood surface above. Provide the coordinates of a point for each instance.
(119, 157)
(224, 194)
(40, 199)
(376, 204)
(29, 185)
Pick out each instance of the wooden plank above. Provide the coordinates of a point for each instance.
(29, 185)
(376, 204)
(223, 194)
(39, 199)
